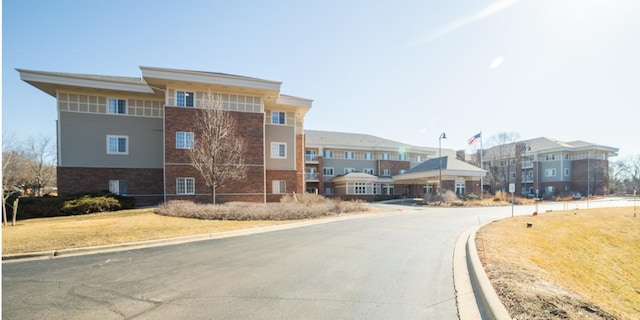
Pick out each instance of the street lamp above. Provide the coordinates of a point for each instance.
(442, 136)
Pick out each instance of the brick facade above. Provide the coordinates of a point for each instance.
(143, 184)
(394, 166)
(597, 171)
(291, 181)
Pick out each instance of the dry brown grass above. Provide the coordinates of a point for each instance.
(568, 264)
(97, 229)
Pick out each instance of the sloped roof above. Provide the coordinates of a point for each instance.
(543, 145)
(447, 164)
(358, 141)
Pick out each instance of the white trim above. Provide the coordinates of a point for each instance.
(34, 77)
(186, 180)
(278, 155)
(209, 78)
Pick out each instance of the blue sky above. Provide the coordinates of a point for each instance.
(402, 70)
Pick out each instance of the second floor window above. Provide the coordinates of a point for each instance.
(117, 106)
(117, 144)
(185, 98)
(368, 156)
(184, 140)
(278, 150)
(367, 170)
(349, 155)
(550, 172)
(386, 172)
(278, 117)
(327, 171)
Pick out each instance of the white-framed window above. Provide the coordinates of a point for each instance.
(185, 185)
(386, 172)
(117, 144)
(349, 155)
(118, 187)
(402, 156)
(278, 117)
(327, 171)
(566, 172)
(185, 98)
(278, 150)
(347, 170)
(328, 154)
(278, 187)
(368, 170)
(360, 188)
(328, 190)
(550, 157)
(418, 158)
(566, 156)
(385, 156)
(550, 172)
(402, 171)
(184, 140)
(503, 163)
(117, 106)
(368, 156)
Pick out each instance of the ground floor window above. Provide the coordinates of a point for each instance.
(360, 188)
(185, 185)
(118, 187)
(328, 190)
(278, 186)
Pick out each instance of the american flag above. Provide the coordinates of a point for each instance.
(475, 138)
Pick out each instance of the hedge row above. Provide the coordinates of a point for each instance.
(48, 206)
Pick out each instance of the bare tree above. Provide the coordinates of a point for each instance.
(218, 151)
(40, 153)
(503, 155)
(13, 175)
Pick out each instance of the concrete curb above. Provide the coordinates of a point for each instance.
(481, 301)
(170, 241)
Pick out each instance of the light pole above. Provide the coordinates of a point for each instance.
(442, 136)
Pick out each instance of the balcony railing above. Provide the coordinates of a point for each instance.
(310, 177)
(311, 158)
(527, 179)
(527, 164)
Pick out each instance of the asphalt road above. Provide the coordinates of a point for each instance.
(381, 266)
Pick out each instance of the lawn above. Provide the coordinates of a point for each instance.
(574, 264)
(97, 229)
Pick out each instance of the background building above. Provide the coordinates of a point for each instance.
(544, 167)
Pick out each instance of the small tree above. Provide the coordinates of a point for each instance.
(504, 151)
(218, 152)
(40, 153)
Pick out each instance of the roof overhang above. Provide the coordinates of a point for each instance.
(160, 77)
(51, 82)
(424, 176)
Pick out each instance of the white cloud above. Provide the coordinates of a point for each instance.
(467, 20)
(496, 62)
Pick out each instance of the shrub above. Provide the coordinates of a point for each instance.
(471, 197)
(307, 206)
(89, 204)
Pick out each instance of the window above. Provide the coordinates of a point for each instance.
(349, 155)
(278, 186)
(360, 188)
(402, 156)
(566, 172)
(185, 186)
(278, 117)
(347, 170)
(328, 190)
(385, 156)
(185, 98)
(386, 172)
(117, 106)
(550, 172)
(418, 158)
(550, 157)
(513, 162)
(117, 144)
(402, 171)
(566, 156)
(326, 171)
(184, 140)
(512, 175)
(368, 156)
(368, 170)
(278, 150)
(327, 154)
(118, 187)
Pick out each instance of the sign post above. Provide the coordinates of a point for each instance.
(512, 189)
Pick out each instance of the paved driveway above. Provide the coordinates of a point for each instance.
(381, 266)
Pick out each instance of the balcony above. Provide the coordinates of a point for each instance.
(527, 164)
(311, 158)
(527, 179)
(311, 177)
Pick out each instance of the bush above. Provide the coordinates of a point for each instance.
(307, 206)
(471, 197)
(89, 204)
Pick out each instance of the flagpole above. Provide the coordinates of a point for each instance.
(481, 167)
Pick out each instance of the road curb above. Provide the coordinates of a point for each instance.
(481, 300)
(169, 241)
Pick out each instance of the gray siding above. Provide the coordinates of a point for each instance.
(83, 140)
(285, 134)
(339, 165)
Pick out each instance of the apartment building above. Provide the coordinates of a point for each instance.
(544, 167)
(131, 135)
(351, 165)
